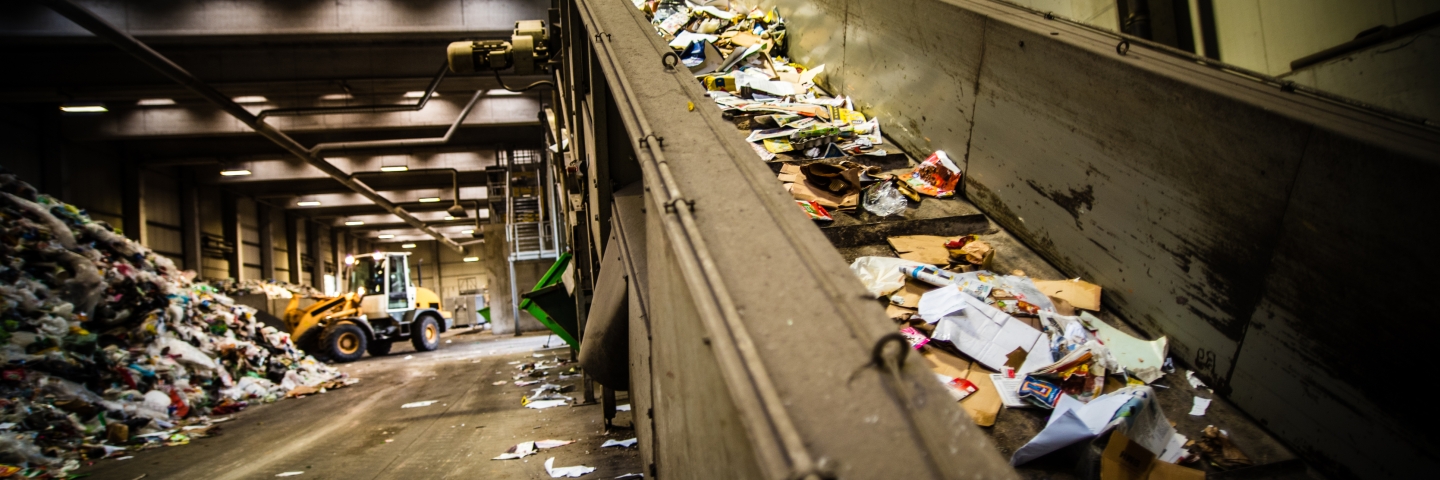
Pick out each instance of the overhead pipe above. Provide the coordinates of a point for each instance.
(429, 92)
(103, 29)
(405, 142)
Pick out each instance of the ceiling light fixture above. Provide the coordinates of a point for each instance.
(354, 223)
(408, 245)
(502, 93)
(234, 169)
(155, 102)
(387, 236)
(337, 96)
(307, 203)
(472, 259)
(420, 93)
(395, 168)
(429, 199)
(84, 108)
(467, 232)
(250, 99)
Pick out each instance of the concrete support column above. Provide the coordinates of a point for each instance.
(230, 216)
(190, 223)
(133, 203)
(292, 246)
(317, 259)
(337, 251)
(266, 228)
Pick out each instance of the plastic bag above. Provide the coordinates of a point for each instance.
(881, 275)
(884, 199)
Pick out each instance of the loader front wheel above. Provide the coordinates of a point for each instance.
(425, 334)
(344, 342)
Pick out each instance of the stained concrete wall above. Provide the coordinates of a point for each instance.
(1266, 35)
(1400, 75)
(493, 254)
(1234, 218)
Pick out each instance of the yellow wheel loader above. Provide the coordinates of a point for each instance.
(379, 308)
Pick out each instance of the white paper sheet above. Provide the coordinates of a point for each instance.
(559, 472)
(620, 443)
(939, 303)
(1009, 389)
(542, 404)
(983, 332)
(419, 404)
(1142, 359)
(1072, 421)
(1201, 404)
(686, 37)
(521, 451)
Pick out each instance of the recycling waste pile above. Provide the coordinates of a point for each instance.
(109, 348)
(270, 288)
(997, 342)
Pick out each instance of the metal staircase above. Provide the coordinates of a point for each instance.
(527, 219)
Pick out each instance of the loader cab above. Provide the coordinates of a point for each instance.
(383, 280)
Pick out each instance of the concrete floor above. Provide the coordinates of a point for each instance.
(342, 434)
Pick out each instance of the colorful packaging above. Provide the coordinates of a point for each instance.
(814, 210)
(959, 388)
(936, 176)
(915, 338)
(1040, 392)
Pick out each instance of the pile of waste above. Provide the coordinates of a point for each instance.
(108, 347)
(993, 340)
(818, 140)
(270, 288)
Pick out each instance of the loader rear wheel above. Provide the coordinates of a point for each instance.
(379, 348)
(344, 342)
(425, 334)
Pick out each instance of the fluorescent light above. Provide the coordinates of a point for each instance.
(448, 217)
(500, 92)
(472, 259)
(395, 168)
(429, 199)
(408, 245)
(353, 223)
(250, 99)
(418, 94)
(235, 172)
(91, 108)
(307, 203)
(387, 236)
(337, 96)
(467, 232)
(155, 102)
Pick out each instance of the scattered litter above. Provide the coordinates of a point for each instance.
(1194, 380)
(622, 408)
(1214, 444)
(630, 475)
(127, 457)
(407, 357)
(86, 307)
(419, 404)
(289, 474)
(500, 382)
(1201, 404)
(520, 450)
(559, 472)
(620, 443)
(543, 404)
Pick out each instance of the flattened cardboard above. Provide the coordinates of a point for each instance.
(909, 295)
(1078, 293)
(982, 405)
(921, 248)
(1124, 459)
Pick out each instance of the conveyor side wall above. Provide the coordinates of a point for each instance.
(1282, 242)
(812, 327)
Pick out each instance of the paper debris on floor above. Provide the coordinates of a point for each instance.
(1201, 404)
(419, 404)
(622, 408)
(560, 472)
(1143, 359)
(620, 443)
(543, 404)
(521, 450)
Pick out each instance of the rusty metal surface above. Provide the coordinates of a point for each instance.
(1244, 222)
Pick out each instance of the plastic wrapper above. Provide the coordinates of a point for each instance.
(814, 210)
(937, 176)
(884, 199)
